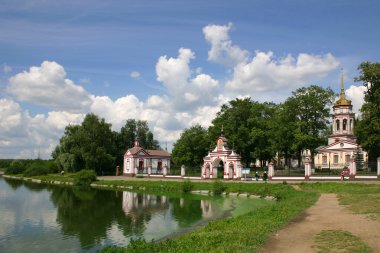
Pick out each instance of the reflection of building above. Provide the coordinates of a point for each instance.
(207, 209)
(221, 160)
(138, 160)
(134, 202)
(342, 144)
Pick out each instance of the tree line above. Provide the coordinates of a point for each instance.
(259, 131)
(94, 146)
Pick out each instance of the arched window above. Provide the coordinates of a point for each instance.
(337, 125)
(351, 124)
(344, 125)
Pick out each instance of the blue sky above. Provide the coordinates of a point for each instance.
(172, 63)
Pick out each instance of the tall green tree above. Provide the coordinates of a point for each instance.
(310, 107)
(234, 118)
(247, 126)
(191, 147)
(283, 131)
(129, 132)
(88, 146)
(367, 128)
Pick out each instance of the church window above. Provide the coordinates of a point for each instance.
(348, 158)
(336, 157)
(337, 125)
(344, 125)
(324, 159)
(351, 122)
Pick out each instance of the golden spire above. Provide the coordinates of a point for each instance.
(342, 99)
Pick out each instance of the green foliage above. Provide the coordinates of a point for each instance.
(247, 125)
(310, 107)
(16, 167)
(218, 187)
(92, 145)
(112, 249)
(140, 246)
(36, 169)
(85, 178)
(191, 147)
(367, 129)
(128, 133)
(187, 186)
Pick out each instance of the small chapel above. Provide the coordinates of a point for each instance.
(222, 162)
(138, 160)
(342, 145)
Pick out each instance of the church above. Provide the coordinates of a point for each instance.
(138, 160)
(342, 145)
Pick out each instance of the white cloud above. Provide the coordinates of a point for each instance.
(188, 93)
(222, 50)
(265, 73)
(356, 95)
(191, 96)
(47, 85)
(9, 114)
(135, 74)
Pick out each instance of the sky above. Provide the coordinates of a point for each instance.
(172, 63)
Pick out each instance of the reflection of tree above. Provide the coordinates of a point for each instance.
(14, 184)
(186, 211)
(86, 213)
(34, 187)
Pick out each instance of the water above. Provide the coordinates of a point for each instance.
(46, 218)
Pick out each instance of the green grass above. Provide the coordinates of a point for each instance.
(329, 241)
(360, 198)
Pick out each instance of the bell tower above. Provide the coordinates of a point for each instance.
(342, 118)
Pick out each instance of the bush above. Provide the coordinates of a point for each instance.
(16, 167)
(218, 187)
(85, 177)
(187, 186)
(35, 170)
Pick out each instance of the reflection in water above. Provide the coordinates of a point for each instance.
(47, 218)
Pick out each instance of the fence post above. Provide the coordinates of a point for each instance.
(164, 171)
(182, 170)
(378, 168)
(352, 168)
(307, 169)
(270, 171)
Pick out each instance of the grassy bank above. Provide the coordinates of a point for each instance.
(361, 198)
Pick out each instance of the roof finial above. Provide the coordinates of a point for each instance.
(341, 84)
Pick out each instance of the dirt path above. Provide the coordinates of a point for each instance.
(326, 214)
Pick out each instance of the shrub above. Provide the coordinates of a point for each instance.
(218, 187)
(35, 170)
(85, 177)
(187, 186)
(16, 167)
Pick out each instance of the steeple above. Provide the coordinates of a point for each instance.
(342, 99)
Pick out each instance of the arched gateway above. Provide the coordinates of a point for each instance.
(221, 160)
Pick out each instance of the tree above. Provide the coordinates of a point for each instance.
(88, 146)
(310, 107)
(283, 131)
(367, 128)
(234, 118)
(247, 125)
(129, 132)
(191, 147)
